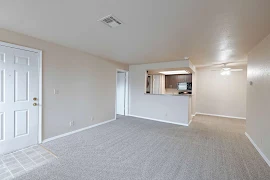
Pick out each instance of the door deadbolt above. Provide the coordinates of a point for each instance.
(34, 98)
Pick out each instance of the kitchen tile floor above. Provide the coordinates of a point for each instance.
(22, 161)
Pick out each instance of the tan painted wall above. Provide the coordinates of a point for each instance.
(87, 85)
(258, 97)
(194, 93)
(221, 95)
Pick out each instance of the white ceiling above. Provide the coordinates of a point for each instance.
(207, 31)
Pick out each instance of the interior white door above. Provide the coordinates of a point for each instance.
(19, 86)
(121, 84)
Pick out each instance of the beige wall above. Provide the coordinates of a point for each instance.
(193, 97)
(221, 95)
(194, 93)
(258, 98)
(87, 85)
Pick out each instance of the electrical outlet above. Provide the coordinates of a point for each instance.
(91, 118)
(71, 123)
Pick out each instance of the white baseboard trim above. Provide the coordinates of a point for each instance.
(76, 131)
(152, 119)
(233, 117)
(258, 149)
(190, 122)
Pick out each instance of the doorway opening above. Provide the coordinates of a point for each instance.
(121, 108)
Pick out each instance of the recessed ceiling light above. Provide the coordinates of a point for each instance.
(174, 72)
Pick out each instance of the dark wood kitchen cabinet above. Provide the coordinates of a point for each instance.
(185, 78)
(181, 78)
(167, 81)
(189, 78)
(172, 80)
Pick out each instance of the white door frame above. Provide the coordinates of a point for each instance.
(40, 82)
(126, 93)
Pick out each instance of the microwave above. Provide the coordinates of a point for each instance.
(184, 86)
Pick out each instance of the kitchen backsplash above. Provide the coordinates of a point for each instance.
(171, 91)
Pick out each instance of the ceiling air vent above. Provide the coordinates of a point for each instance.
(111, 21)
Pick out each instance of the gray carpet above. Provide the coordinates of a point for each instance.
(132, 148)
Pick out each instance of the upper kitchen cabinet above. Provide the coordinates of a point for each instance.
(184, 78)
(167, 82)
(172, 80)
(181, 78)
(188, 78)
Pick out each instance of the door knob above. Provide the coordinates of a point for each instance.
(34, 98)
(35, 104)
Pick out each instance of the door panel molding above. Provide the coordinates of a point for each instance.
(21, 123)
(21, 60)
(21, 88)
(2, 119)
(2, 57)
(2, 85)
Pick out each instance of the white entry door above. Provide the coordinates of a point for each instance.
(19, 90)
(121, 88)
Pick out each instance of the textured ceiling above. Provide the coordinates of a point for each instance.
(207, 31)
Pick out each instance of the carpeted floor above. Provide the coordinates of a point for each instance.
(210, 148)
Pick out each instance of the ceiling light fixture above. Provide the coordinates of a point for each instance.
(174, 72)
(225, 72)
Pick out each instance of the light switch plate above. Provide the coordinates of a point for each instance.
(71, 123)
(56, 91)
